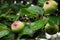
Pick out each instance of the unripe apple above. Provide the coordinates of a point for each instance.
(49, 0)
(17, 26)
(51, 29)
(50, 7)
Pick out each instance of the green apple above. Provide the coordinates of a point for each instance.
(50, 7)
(49, 0)
(51, 29)
(17, 26)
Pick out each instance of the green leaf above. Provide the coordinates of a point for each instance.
(27, 30)
(58, 19)
(41, 3)
(3, 14)
(12, 17)
(5, 5)
(6, 23)
(54, 19)
(35, 10)
(38, 24)
(31, 11)
(10, 36)
(3, 27)
(4, 33)
(23, 11)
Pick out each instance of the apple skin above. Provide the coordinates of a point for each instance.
(49, 0)
(17, 26)
(50, 7)
(51, 29)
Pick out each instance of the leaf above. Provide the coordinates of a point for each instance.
(35, 10)
(27, 30)
(58, 19)
(5, 5)
(54, 19)
(3, 14)
(41, 2)
(12, 17)
(38, 24)
(23, 11)
(3, 27)
(30, 30)
(10, 36)
(4, 33)
(31, 11)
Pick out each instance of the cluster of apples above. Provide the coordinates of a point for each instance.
(50, 6)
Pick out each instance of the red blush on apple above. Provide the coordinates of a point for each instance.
(15, 24)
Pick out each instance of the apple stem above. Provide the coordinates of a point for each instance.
(47, 2)
(15, 36)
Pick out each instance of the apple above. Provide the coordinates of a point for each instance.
(17, 26)
(51, 29)
(50, 7)
(48, 0)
